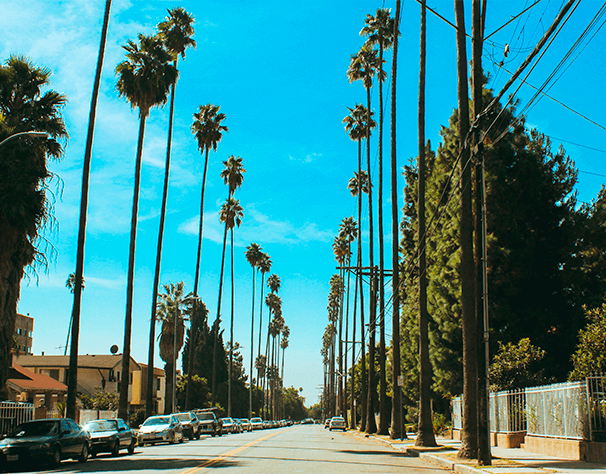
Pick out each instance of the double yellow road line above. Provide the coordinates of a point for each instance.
(221, 457)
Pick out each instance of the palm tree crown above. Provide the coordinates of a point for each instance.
(379, 29)
(176, 31)
(231, 213)
(146, 75)
(358, 181)
(274, 282)
(207, 126)
(233, 173)
(364, 66)
(355, 122)
(254, 254)
(348, 229)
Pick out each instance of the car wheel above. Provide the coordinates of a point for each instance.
(116, 448)
(213, 434)
(131, 447)
(56, 459)
(198, 435)
(84, 453)
(182, 438)
(93, 454)
(171, 438)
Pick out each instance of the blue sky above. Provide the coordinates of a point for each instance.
(278, 71)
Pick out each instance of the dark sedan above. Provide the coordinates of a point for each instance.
(109, 436)
(49, 440)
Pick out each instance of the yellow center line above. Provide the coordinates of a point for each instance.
(221, 457)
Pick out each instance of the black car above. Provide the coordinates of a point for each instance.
(110, 436)
(190, 424)
(49, 440)
(208, 423)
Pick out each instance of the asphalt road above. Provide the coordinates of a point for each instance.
(297, 449)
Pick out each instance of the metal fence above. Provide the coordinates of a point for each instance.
(507, 414)
(596, 407)
(557, 410)
(11, 414)
(572, 410)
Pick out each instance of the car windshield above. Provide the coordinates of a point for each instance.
(183, 416)
(36, 428)
(206, 416)
(95, 426)
(256, 420)
(158, 420)
(227, 420)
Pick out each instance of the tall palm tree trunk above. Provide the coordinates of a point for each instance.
(231, 326)
(354, 423)
(125, 376)
(469, 438)
(252, 352)
(371, 425)
(397, 430)
(152, 328)
(217, 322)
(193, 335)
(383, 427)
(425, 436)
(72, 384)
(363, 394)
(261, 328)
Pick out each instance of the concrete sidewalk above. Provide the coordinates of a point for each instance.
(505, 461)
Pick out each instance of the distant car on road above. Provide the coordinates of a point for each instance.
(190, 424)
(246, 424)
(228, 425)
(161, 428)
(257, 423)
(47, 440)
(209, 424)
(337, 423)
(109, 436)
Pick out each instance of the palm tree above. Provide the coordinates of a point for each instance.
(469, 436)
(232, 176)
(253, 256)
(340, 248)
(77, 291)
(365, 66)
(284, 346)
(144, 79)
(172, 336)
(264, 266)
(274, 303)
(348, 230)
(231, 215)
(396, 412)
(379, 31)
(208, 131)
(25, 178)
(176, 33)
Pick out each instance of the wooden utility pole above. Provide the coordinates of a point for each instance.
(397, 430)
(484, 456)
(425, 436)
(469, 438)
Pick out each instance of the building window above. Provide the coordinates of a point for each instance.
(131, 378)
(54, 373)
(111, 376)
(157, 385)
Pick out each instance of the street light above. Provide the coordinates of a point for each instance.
(20, 134)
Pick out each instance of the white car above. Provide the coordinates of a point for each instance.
(257, 423)
(337, 423)
(163, 428)
(246, 425)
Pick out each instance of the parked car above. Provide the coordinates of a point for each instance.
(238, 425)
(109, 436)
(47, 440)
(246, 424)
(160, 428)
(327, 422)
(209, 424)
(190, 423)
(228, 425)
(337, 423)
(257, 423)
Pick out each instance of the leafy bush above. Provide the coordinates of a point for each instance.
(590, 356)
(136, 418)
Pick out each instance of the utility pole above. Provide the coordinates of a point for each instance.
(484, 455)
